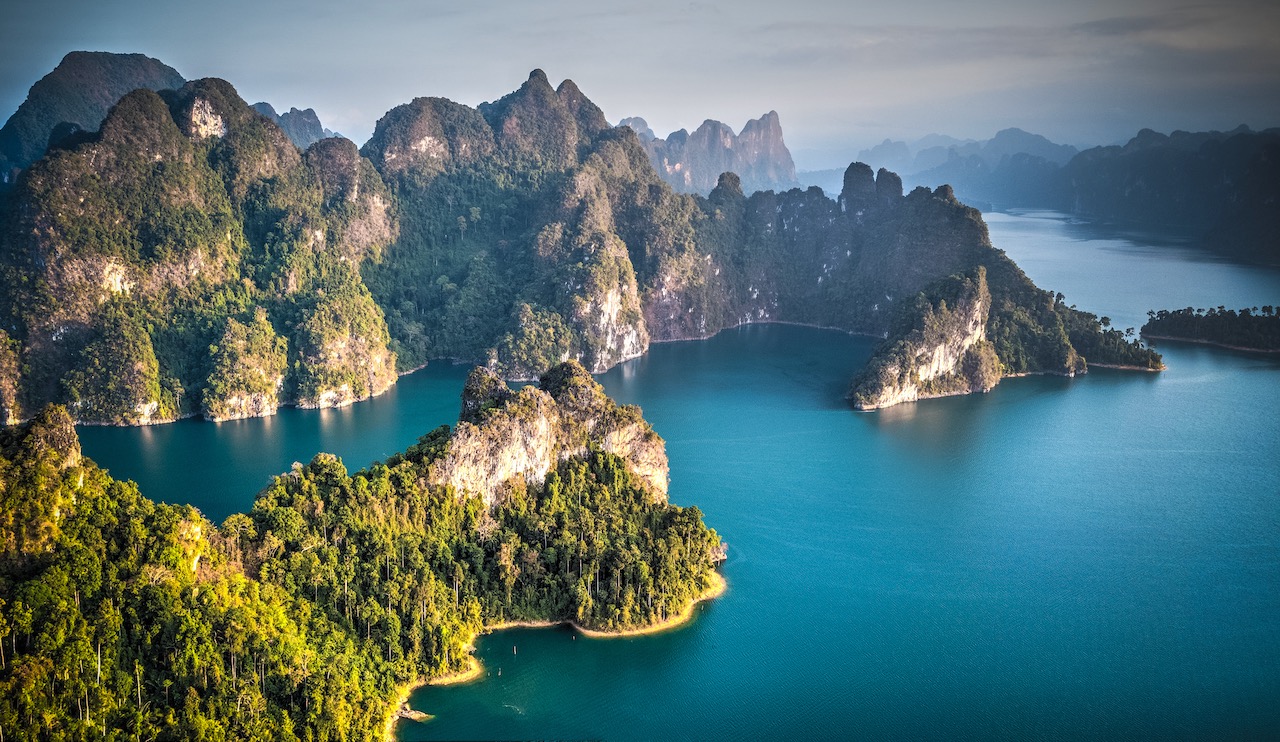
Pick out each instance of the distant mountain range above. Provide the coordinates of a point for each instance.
(1219, 188)
(692, 163)
(79, 91)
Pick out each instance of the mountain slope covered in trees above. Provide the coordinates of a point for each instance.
(133, 260)
(166, 264)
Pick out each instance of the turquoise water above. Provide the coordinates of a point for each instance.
(219, 467)
(1061, 558)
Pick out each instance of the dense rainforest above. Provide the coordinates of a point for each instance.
(1250, 328)
(188, 258)
(125, 618)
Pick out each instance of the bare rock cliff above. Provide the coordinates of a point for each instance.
(503, 435)
(946, 353)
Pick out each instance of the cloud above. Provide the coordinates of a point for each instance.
(841, 73)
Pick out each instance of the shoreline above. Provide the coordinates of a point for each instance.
(717, 588)
(474, 672)
(1124, 367)
(457, 362)
(1213, 343)
(400, 708)
(740, 325)
(719, 585)
(200, 415)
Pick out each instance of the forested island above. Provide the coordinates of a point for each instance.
(305, 618)
(187, 258)
(1246, 329)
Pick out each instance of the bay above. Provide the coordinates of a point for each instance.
(1095, 557)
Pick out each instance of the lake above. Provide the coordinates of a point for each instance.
(1095, 557)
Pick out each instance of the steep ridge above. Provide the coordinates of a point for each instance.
(520, 234)
(944, 352)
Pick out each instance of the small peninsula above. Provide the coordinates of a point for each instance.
(314, 614)
(1251, 329)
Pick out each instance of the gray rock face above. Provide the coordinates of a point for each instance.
(303, 127)
(504, 436)
(693, 163)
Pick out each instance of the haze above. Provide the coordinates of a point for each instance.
(843, 76)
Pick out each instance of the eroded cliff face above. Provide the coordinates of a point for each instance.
(505, 435)
(944, 353)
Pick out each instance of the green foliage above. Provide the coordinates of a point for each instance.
(190, 233)
(1103, 345)
(1248, 328)
(541, 340)
(250, 361)
(117, 377)
(9, 379)
(122, 617)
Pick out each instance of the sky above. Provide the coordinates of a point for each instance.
(843, 75)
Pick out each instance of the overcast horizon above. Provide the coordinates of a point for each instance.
(842, 77)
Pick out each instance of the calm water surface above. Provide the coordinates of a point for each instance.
(1061, 558)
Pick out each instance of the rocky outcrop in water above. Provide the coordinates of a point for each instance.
(523, 435)
(941, 351)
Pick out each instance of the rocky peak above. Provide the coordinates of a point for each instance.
(692, 163)
(483, 391)
(534, 120)
(589, 117)
(303, 127)
(574, 389)
(142, 123)
(729, 184)
(640, 127)
(207, 108)
(859, 190)
(888, 187)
